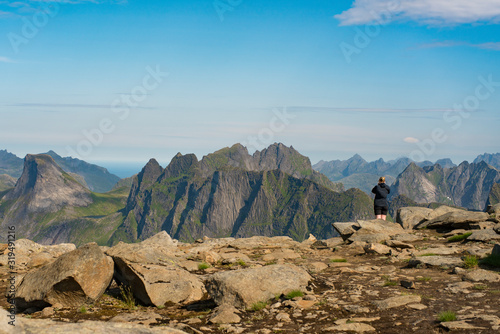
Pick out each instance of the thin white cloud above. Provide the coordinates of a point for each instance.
(411, 140)
(495, 46)
(434, 12)
(299, 109)
(6, 60)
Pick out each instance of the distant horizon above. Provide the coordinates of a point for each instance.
(123, 168)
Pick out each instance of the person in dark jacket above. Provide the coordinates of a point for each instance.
(381, 190)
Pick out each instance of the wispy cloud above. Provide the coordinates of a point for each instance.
(19, 8)
(364, 110)
(6, 60)
(411, 140)
(433, 12)
(448, 44)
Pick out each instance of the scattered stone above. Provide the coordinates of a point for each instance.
(397, 301)
(377, 249)
(225, 314)
(435, 261)
(407, 284)
(417, 306)
(144, 318)
(496, 250)
(480, 275)
(283, 317)
(399, 244)
(484, 235)
(454, 325)
(356, 327)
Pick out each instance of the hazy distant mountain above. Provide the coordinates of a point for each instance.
(231, 193)
(6, 182)
(10, 164)
(490, 159)
(97, 178)
(467, 185)
(358, 173)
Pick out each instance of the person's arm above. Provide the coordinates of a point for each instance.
(374, 190)
(388, 188)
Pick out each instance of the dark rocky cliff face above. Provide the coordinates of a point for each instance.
(230, 193)
(467, 185)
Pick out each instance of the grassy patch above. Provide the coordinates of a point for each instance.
(127, 297)
(480, 287)
(82, 309)
(425, 279)
(203, 266)
(429, 254)
(447, 316)
(460, 237)
(470, 261)
(258, 306)
(491, 260)
(294, 293)
(337, 260)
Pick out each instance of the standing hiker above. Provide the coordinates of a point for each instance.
(381, 190)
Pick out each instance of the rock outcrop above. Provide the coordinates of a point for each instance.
(243, 288)
(75, 278)
(150, 270)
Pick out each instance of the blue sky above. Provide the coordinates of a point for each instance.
(124, 81)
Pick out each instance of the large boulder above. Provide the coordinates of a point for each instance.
(408, 217)
(151, 271)
(376, 230)
(245, 287)
(453, 220)
(78, 277)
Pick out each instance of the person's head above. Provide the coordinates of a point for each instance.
(381, 180)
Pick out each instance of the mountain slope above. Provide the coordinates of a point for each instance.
(230, 193)
(49, 206)
(467, 185)
(97, 178)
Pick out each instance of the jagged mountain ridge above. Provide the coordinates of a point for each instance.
(490, 159)
(230, 193)
(467, 185)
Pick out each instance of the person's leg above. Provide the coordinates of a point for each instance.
(379, 217)
(383, 213)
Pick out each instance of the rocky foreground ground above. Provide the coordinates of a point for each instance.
(434, 271)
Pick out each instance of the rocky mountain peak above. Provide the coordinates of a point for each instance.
(46, 187)
(181, 164)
